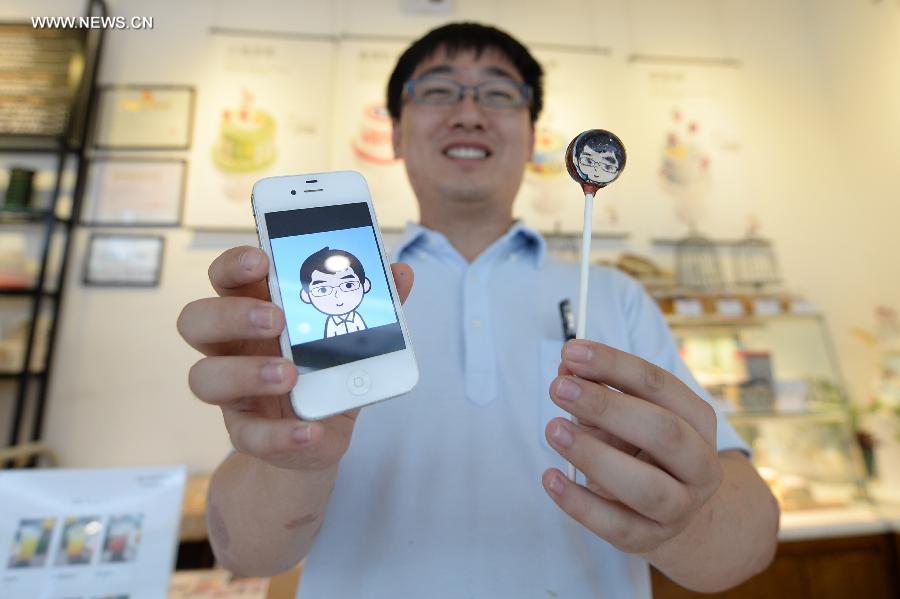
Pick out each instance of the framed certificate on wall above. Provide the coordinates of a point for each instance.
(123, 260)
(139, 192)
(144, 117)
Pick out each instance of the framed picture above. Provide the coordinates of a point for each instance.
(144, 117)
(123, 260)
(132, 193)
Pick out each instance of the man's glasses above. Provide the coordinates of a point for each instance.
(590, 163)
(496, 93)
(326, 290)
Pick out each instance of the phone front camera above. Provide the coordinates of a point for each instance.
(293, 192)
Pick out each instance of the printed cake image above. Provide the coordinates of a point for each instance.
(685, 170)
(373, 140)
(549, 157)
(246, 141)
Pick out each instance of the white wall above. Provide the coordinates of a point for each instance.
(823, 84)
(826, 76)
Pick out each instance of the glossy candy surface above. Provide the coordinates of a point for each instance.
(595, 158)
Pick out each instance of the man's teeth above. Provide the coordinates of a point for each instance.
(467, 153)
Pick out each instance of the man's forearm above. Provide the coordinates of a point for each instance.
(732, 538)
(261, 519)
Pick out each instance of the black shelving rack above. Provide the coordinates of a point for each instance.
(71, 145)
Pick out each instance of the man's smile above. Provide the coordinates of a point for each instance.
(466, 151)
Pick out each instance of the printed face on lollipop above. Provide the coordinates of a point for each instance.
(595, 158)
(599, 166)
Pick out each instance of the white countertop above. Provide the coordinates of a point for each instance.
(879, 517)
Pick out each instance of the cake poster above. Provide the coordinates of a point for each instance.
(264, 110)
(685, 146)
(362, 128)
(577, 97)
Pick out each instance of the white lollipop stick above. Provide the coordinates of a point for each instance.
(581, 319)
(594, 159)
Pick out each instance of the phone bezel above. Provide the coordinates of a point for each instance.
(325, 392)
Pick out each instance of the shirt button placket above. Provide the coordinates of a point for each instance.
(480, 362)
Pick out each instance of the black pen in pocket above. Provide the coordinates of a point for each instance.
(568, 319)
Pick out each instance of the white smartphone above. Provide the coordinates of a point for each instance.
(345, 329)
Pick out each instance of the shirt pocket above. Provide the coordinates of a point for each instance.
(548, 367)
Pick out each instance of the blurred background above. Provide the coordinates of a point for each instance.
(759, 207)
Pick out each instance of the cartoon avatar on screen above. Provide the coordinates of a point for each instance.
(334, 282)
(598, 159)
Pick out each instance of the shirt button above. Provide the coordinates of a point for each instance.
(476, 323)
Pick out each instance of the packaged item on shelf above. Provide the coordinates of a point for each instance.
(758, 389)
(18, 191)
(16, 270)
(13, 336)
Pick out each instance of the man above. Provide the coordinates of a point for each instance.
(456, 490)
(334, 283)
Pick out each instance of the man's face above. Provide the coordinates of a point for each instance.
(465, 152)
(600, 167)
(335, 294)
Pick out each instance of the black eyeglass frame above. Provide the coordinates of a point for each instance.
(525, 90)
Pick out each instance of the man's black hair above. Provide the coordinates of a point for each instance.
(456, 37)
(317, 262)
(598, 145)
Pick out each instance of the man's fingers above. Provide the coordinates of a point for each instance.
(269, 438)
(665, 436)
(219, 380)
(403, 279)
(639, 378)
(206, 322)
(642, 487)
(287, 443)
(241, 271)
(626, 530)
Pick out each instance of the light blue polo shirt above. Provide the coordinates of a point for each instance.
(439, 495)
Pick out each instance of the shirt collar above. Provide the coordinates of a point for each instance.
(519, 239)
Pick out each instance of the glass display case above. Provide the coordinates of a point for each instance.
(777, 379)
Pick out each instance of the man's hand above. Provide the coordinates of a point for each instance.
(246, 376)
(645, 442)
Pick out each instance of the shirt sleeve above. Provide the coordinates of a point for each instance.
(651, 339)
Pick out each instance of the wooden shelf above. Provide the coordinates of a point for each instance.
(25, 292)
(11, 216)
(10, 376)
(22, 144)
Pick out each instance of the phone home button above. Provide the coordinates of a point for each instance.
(359, 382)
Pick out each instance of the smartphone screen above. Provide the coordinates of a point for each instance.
(333, 284)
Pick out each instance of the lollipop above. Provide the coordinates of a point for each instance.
(594, 159)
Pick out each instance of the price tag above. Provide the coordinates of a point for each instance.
(690, 308)
(766, 306)
(730, 307)
(801, 306)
